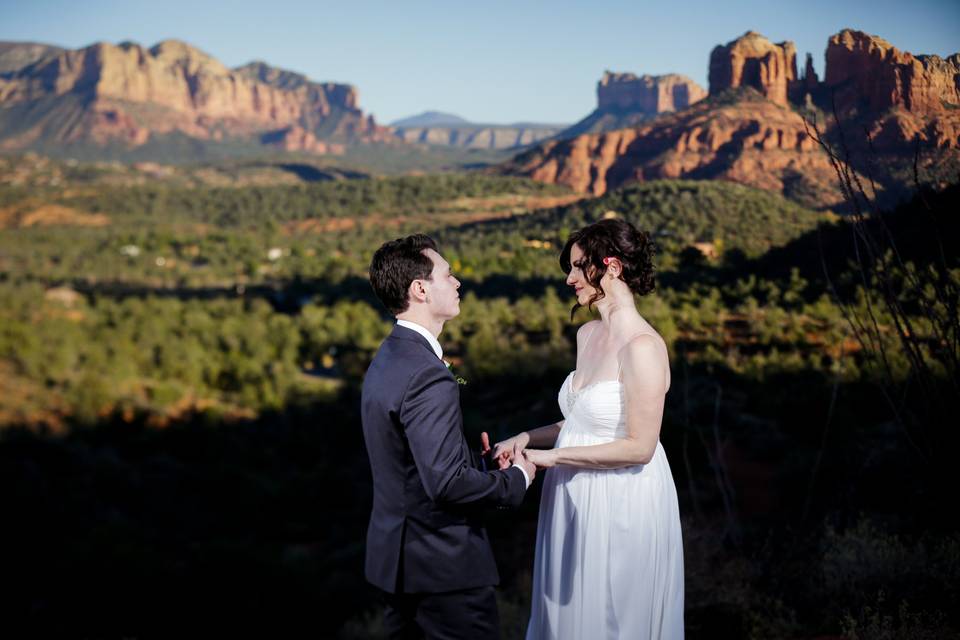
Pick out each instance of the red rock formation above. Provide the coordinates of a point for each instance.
(129, 93)
(647, 94)
(752, 142)
(867, 72)
(809, 81)
(753, 61)
(897, 98)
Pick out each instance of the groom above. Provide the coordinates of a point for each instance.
(426, 546)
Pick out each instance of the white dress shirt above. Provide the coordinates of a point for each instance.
(437, 349)
(413, 326)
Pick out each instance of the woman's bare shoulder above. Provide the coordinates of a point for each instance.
(645, 347)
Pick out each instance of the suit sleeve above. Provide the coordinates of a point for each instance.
(431, 418)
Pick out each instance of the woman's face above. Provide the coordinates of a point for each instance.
(576, 278)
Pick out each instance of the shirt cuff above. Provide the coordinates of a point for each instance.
(524, 472)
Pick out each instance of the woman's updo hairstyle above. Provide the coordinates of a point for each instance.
(615, 239)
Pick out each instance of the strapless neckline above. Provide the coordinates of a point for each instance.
(598, 407)
(576, 392)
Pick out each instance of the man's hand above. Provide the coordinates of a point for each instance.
(503, 451)
(519, 458)
(484, 444)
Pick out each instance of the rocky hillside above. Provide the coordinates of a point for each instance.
(737, 136)
(17, 55)
(126, 95)
(751, 128)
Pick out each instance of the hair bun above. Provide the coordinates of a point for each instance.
(612, 237)
(638, 267)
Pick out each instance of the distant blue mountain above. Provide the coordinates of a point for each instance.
(431, 119)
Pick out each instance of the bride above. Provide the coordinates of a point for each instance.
(609, 553)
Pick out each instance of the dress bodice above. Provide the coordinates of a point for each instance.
(595, 410)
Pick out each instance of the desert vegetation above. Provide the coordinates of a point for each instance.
(180, 438)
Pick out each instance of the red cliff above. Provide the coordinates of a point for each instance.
(753, 61)
(129, 94)
(867, 72)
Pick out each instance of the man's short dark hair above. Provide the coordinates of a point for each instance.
(395, 265)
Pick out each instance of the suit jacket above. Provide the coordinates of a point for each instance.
(425, 533)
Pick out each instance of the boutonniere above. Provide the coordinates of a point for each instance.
(458, 378)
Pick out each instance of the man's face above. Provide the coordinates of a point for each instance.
(442, 296)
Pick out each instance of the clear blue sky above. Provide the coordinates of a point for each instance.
(488, 61)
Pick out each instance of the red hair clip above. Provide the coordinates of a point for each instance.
(607, 260)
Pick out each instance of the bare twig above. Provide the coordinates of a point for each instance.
(884, 277)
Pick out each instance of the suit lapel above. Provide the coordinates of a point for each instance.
(403, 333)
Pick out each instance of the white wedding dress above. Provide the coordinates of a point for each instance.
(609, 555)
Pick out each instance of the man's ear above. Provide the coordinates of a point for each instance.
(417, 292)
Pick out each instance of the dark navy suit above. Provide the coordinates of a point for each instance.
(425, 534)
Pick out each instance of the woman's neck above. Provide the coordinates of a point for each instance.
(617, 309)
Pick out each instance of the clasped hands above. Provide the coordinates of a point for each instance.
(509, 451)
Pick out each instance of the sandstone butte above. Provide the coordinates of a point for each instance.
(753, 61)
(128, 93)
(626, 100)
(761, 140)
(648, 94)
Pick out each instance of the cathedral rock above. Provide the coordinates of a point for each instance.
(753, 61)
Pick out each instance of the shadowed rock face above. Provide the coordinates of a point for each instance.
(127, 93)
(17, 55)
(753, 61)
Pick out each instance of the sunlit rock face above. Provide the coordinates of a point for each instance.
(753, 61)
(127, 93)
(867, 72)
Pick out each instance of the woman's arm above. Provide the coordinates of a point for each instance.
(644, 388)
(544, 437)
(540, 437)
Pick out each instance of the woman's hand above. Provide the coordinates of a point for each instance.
(543, 458)
(503, 451)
